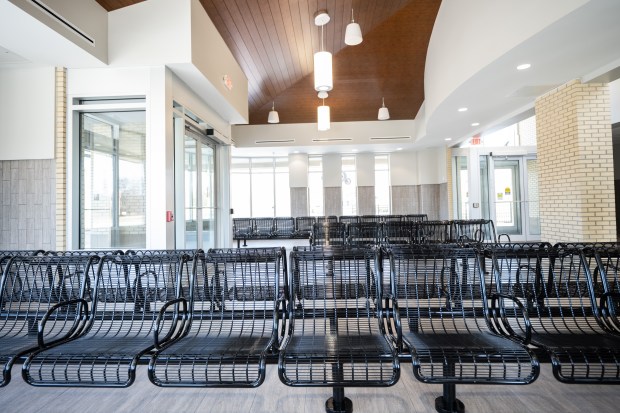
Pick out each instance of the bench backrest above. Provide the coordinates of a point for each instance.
(337, 291)
(431, 232)
(263, 226)
(242, 227)
(30, 285)
(234, 292)
(553, 284)
(129, 291)
(329, 233)
(415, 217)
(363, 233)
(606, 278)
(439, 289)
(349, 219)
(397, 233)
(283, 227)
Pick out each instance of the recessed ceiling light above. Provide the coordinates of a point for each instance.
(475, 124)
(462, 109)
(354, 150)
(524, 66)
(399, 149)
(295, 151)
(447, 139)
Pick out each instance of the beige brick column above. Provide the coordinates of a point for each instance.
(575, 159)
(61, 159)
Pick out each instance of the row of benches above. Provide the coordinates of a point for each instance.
(388, 232)
(302, 227)
(330, 316)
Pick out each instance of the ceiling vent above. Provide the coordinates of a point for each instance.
(389, 138)
(332, 140)
(275, 141)
(54, 15)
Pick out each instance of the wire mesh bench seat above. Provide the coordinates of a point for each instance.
(334, 337)
(441, 318)
(397, 233)
(363, 234)
(134, 305)
(232, 329)
(39, 289)
(431, 232)
(554, 285)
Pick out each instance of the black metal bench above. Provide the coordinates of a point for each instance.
(441, 318)
(40, 289)
(397, 233)
(233, 322)
(134, 304)
(606, 281)
(363, 234)
(431, 232)
(554, 286)
(329, 233)
(335, 338)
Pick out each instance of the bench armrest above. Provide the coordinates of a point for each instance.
(175, 321)
(603, 306)
(77, 326)
(281, 318)
(495, 311)
(387, 313)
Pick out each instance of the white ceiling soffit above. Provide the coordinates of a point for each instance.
(43, 35)
(577, 44)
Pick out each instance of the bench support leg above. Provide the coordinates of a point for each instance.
(338, 403)
(448, 403)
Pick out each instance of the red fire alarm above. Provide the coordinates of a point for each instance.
(169, 216)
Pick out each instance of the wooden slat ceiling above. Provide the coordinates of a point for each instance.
(274, 42)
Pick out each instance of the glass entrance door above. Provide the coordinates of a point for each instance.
(195, 190)
(513, 195)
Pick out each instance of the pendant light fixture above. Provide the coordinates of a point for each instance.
(384, 113)
(323, 121)
(353, 34)
(273, 115)
(323, 80)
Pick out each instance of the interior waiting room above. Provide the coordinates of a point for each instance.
(309, 205)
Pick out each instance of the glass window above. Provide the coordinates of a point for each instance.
(315, 185)
(113, 180)
(349, 186)
(462, 188)
(240, 188)
(282, 189)
(382, 185)
(263, 187)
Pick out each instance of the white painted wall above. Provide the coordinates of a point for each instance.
(180, 35)
(614, 92)
(404, 168)
(33, 34)
(465, 38)
(27, 105)
(365, 167)
(298, 170)
(332, 170)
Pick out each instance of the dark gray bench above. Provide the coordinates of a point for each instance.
(235, 299)
(441, 318)
(134, 303)
(334, 337)
(40, 304)
(555, 287)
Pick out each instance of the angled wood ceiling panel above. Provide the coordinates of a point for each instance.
(274, 42)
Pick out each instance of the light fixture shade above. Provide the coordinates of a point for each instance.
(323, 80)
(384, 113)
(323, 121)
(273, 117)
(353, 34)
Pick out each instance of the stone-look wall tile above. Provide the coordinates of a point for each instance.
(332, 200)
(430, 201)
(575, 160)
(405, 199)
(444, 203)
(59, 169)
(28, 214)
(366, 200)
(299, 202)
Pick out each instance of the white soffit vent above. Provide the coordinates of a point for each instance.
(275, 141)
(332, 140)
(56, 16)
(389, 138)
